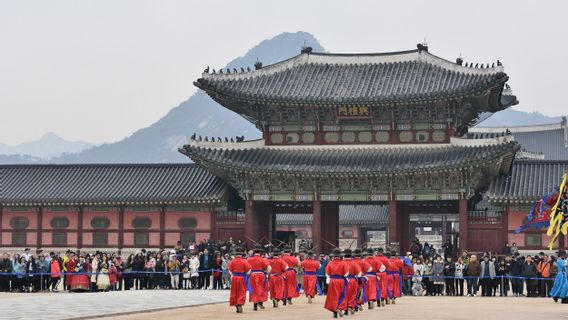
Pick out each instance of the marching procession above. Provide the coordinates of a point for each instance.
(354, 279)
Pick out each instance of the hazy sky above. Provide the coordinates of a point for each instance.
(98, 70)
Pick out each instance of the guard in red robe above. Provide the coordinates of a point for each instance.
(276, 280)
(372, 280)
(240, 270)
(362, 280)
(310, 266)
(382, 275)
(397, 269)
(290, 282)
(349, 303)
(337, 271)
(260, 268)
(391, 272)
(70, 267)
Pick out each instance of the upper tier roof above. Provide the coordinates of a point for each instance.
(550, 141)
(108, 184)
(350, 159)
(408, 76)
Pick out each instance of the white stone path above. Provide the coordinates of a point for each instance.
(65, 305)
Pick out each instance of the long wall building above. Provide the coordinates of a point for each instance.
(373, 149)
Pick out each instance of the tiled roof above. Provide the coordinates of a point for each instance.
(550, 140)
(358, 78)
(528, 181)
(348, 214)
(108, 184)
(364, 159)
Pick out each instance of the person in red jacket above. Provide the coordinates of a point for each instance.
(310, 266)
(260, 267)
(371, 288)
(276, 280)
(397, 265)
(290, 282)
(350, 300)
(362, 280)
(239, 269)
(336, 271)
(382, 275)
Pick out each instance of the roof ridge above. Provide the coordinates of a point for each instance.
(95, 165)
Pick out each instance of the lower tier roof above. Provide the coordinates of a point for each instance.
(350, 159)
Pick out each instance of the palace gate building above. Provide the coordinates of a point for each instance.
(372, 149)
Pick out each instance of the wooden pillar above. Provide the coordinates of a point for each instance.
(316, 228)
(329, 225)
(39, 230)
(505, 225)
(463, 224)
(393, 235)
(80, 212)
(121, 228)
(162, 227)
(213, 227)
(1, 222)
(250, 221)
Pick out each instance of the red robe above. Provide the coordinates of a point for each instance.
(352, 286)
(371, 287)
(383, 279)
(238, 267)
(364, 265)
(310, 278)
(276, 282)
(70, 266)
(398, 266)
(290, 282)
(335, 269)
(258, 279)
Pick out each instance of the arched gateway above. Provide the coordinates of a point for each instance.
(360, 129)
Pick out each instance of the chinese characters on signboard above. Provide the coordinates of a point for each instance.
(354, 112)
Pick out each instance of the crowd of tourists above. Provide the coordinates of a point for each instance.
(423, 271)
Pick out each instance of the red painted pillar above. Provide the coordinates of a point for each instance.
(463, 224)
(393, 223)
(249, 223)
(505, 226)
(1, 218)
(39, 228)
(80, 212)
(120, 228)
(213, 227)
(162, 227)
(316, 227)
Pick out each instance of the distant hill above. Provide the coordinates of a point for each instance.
(160, 141)
(48, 146)
(512, 117)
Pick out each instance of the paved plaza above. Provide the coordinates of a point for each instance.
(64, 305)
(175, 305)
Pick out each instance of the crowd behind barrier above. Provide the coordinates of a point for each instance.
(426, 271)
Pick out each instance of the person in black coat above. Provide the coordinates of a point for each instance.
(450, 273)
(529, 273)
(516, 274)
(205, 267)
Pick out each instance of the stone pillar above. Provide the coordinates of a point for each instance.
(463, 224)
(393, 235)
(250, 222)
(316, 227)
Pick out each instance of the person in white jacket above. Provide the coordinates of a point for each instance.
(193, 270)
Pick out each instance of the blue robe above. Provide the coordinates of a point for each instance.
(560, 288)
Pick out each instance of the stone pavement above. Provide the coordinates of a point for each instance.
(407, 308)
(65, 305)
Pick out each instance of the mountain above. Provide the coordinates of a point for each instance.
(160, 141)
(48, 146)
(512, 117)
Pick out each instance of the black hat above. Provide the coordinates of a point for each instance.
(310, 253)
(370, 251)
(357, 252)
(276, 252)
(287, 250)
(240, 251)
(336, 253)
(380, 250)
(258, 249)
(347, 253)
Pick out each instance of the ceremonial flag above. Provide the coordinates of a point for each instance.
(558, 214)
